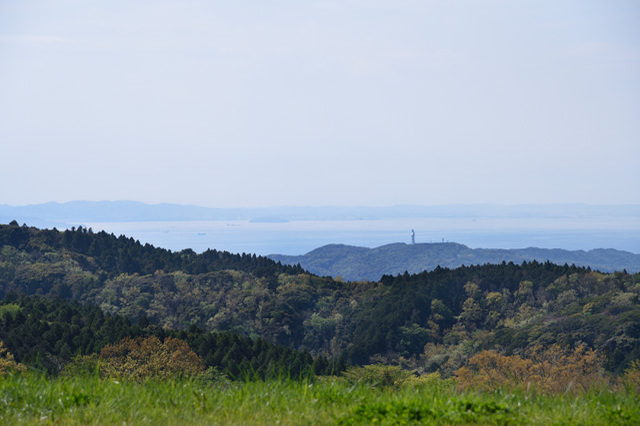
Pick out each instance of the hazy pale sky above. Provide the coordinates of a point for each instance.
(349, 102)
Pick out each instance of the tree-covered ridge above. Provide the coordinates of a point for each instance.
(122, 255)
(361, 263)
(512, 308)
(429, 321)
(47, 333)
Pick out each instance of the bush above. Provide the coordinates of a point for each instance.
(378, 375)
(82, 365)
(7, 363)
(553, 370)
(631, 377)
(148, 357)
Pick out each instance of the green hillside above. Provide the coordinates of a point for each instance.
(428, 321)
(46, 333)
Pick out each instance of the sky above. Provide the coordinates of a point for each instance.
(349, 102)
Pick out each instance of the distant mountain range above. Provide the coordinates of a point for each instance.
(60, 214)
(361, 263)
(593, 226)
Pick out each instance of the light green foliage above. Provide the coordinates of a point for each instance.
(7, 363)
(494, 300)
(82, 365)
(140, 359)
(472, 289)
(36, 399)
(631, 378)
(144, 358)
(10, 308)
(471, 313)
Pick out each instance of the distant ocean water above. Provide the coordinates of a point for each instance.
(300, 237)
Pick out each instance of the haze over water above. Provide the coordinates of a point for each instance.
(300, 237)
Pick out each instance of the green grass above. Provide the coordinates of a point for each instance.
(35, 399)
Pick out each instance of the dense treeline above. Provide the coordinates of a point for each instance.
(46, 333)
(411, 297)
(430, 321)
(511, 308)
(118, 255)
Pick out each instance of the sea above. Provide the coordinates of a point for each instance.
(300, 237)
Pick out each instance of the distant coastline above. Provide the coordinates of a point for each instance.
(134, 211)
(360, 263)
(299, 230)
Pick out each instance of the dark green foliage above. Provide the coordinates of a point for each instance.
(243, 357)
(118, 255)
(46, 333)
(406, 299)
(414, 412)
(428, 321)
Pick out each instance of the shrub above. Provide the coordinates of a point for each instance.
(424, 380)
(378, 375)
(82, 365)
(552, 370)
(150, 358)
(7, 363)
(631, 377)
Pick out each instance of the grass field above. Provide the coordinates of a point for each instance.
(35, 399)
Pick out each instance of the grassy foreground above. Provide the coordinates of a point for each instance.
(35, 399)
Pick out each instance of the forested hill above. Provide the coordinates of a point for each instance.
(429, 321)
(46, 333)
(361, 263)
(117, 255)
